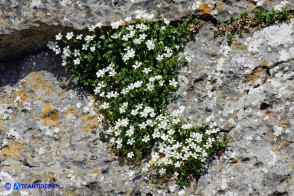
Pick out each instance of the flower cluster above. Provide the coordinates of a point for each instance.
(281, 6)
(133, 70)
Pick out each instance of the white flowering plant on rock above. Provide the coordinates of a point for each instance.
(133, 68)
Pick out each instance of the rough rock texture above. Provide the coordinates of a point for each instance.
(35, 22)
(48, 125)
(247, 88)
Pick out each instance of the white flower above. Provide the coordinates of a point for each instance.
(59, 36)
(131, 141)
(146, 70)
(137, 41)
(259, 3)
(168, 51)
(132, 34)
(176, 121)
(177, 164)
(187, 126)
(162, 171)
(125, 37)
(197, 137)
(130, 27)
(130, 54)
(99, 24)
(173, 83)
(150, 87)
(119, 143)
(159, 5)
(142, 36)
(143, 125)
(116, 36)
(159, 58)
(77, 61)
(112, 73)
(125, 122)
(112, 140)
(128, 19)
(171, 131)
(130, 132)
(281, 6)
(138, 84)
(115, 25)
(142, 27)
(100, 73)
(130, 155)
(134, 112)
(156, 134)
(79, 37)
(89, 38)
(166, 21)
(111, 94)
(69, 35)
(137, 65)
(85, 47)
(105, 105)
(66, 51)
(92, 49)
(164, 137)
(146, 138)
(150, 45)
(92, 28)
(76, 52)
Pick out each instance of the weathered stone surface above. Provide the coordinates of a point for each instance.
(247, 89)
(26, 26)
(48, 127)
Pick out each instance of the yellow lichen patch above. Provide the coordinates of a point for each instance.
(285, 144)
(264, 63)
(36, 81)
(284, 155)
(217, 165)
(70, 192)
(1, 122)
(95, 172)
(275, 149)
(238, 45)
(69, 111)
(220, 6)
(267, 138)
(90, 123)
(129, 191)
(50, 117)
(257, 74)
(13, 149)
(14, 166)
(2, 21)
(22, 95)
(251, 5)
(269, 113)
(204, 9)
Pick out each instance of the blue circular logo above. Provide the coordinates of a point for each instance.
(7, 186)
(17, 186)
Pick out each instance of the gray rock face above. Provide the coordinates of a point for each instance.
(35, 22)
(247, 89)
(49, 131)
